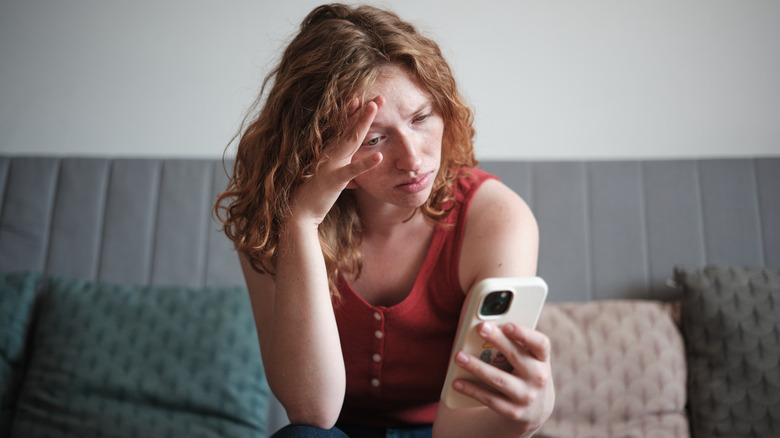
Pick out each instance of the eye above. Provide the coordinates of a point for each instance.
(372, 142)
(422, 118)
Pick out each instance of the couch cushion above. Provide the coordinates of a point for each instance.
(731, 323)
(123, 361)
(17, 296)
(618, 368)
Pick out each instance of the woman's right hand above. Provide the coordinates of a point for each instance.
(314, 198)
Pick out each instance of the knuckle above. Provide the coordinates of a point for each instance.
(542, 380)
(516, 414)
(545, 344)
(501, 381)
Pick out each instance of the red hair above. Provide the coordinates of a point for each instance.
(337, 54)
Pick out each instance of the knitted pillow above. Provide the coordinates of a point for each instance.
(618, 368)
(17, 297)
(126, 361)
(731, 322)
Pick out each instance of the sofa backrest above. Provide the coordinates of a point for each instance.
(608, 229)
(127, 221)
(616, 229)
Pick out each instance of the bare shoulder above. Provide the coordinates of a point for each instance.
(501, 237)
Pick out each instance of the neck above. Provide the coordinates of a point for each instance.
(380, 218)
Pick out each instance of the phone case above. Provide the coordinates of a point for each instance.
(528, 296)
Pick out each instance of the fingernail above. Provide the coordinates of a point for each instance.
(509, 328)
(462, 358)
(458, 385)
(486, 329)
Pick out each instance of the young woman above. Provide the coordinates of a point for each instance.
(362, 224)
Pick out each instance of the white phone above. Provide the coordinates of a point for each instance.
(498, 301)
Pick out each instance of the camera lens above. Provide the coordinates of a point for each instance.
(496, 303)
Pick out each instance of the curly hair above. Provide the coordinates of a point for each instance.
(336, 56)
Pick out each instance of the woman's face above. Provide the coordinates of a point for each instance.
(407, 130)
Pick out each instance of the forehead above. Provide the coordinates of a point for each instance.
(399, 87)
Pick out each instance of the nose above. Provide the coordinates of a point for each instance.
(408, 156)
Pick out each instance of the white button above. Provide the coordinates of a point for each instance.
(377, 358)
(375, 383)
(377, 316)
(378, 334)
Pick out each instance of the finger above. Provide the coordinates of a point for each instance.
(499, 380)
(354, 105)
(525, 364)
(358, 167)
(362, 119)
(493, 400)
(535, 342)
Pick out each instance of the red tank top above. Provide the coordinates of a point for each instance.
(396, 357)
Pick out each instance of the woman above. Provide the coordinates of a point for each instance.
(362, 224)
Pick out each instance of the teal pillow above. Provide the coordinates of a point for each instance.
(123, 361)
(731, 323)
(17, 297)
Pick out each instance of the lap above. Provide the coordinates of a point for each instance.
(348, 431)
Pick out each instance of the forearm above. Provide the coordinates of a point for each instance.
(303, 359)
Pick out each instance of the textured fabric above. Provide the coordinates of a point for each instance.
(125, 361)
(141, 221)
(664, 212)
(126, 221)
(731, 323)
(616, 229)
(385, 347)
(619, 370)
(17, 297)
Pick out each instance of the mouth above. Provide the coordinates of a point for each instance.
(416, 184)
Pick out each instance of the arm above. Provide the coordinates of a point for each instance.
(293, 312)
(501, 240)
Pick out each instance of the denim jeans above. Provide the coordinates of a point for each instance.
(347, 431)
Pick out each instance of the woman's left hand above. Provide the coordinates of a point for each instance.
(524, 395)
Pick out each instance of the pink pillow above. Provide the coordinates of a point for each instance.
(619, 370)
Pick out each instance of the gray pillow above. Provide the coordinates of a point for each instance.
(125, 361)
(731, 323)
(17, 298)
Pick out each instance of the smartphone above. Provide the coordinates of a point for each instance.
(498, 301)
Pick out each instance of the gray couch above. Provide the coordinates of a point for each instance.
(131, 319)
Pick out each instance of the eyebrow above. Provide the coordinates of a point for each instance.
(426, 106)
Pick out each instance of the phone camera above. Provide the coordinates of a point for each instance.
(496, 303)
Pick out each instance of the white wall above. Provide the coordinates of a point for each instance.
(548, 79)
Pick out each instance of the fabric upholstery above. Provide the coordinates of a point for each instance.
(616, 229)
(606, 227)
(126, 361)
(618, 368)
(612, 229)
(17, 296)
(731, 323)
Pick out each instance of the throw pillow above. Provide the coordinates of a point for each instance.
(123, 361)
(618, 368)
(731, 323)
(17, 297)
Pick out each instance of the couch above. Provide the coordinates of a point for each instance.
(123, 311)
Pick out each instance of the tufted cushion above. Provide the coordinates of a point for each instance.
(619, 370)
(17, 296)
(731, 322)
(125, 361)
